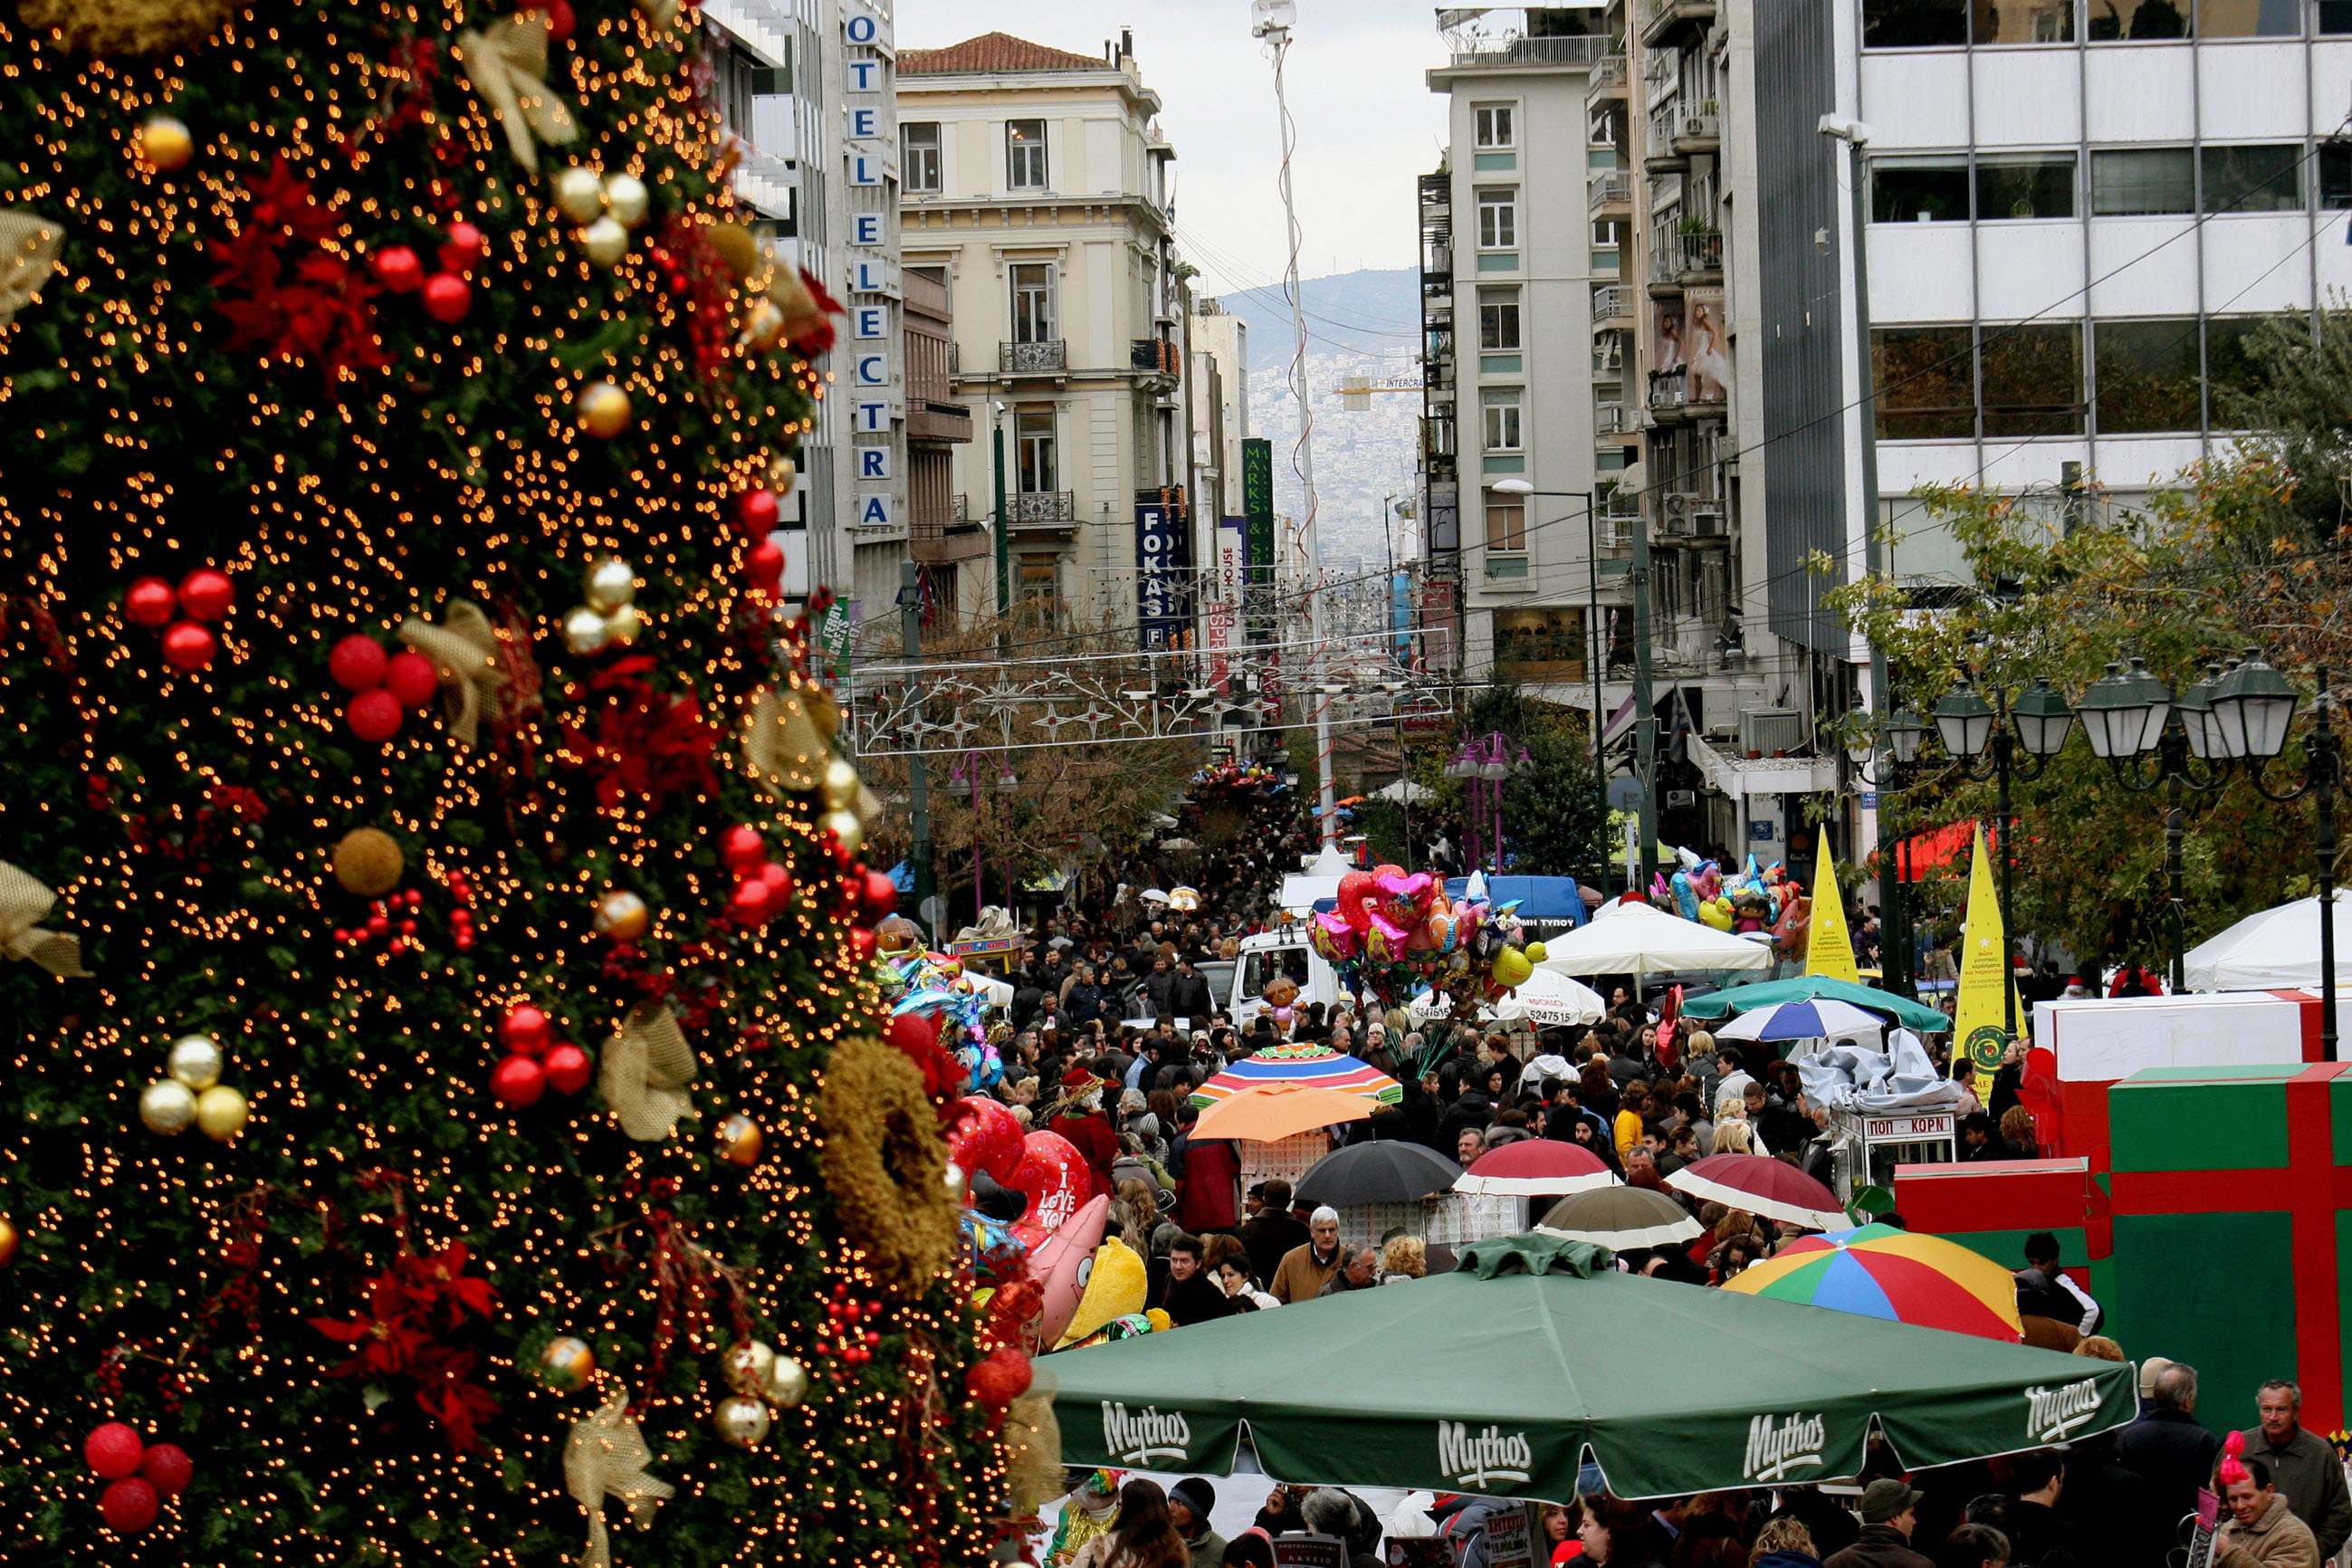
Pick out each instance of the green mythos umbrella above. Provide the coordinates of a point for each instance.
(1737, 999)
(1497, 1378)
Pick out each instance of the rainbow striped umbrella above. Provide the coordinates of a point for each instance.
(1318, 1066)
(1878, 1271)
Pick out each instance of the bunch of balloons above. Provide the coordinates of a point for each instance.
(934, 985)
(1391, 932)
(1236, 779)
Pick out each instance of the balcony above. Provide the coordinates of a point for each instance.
(1666, 268)
(1612, 306)
(1659, 154)
(1506, 566)
(1510, 54)
(1049, 357)
(1669, 394)
(1609, 420)
(1155, 356)
(1698, 256)
(1669, 24)
(1607, 79)
(1046, 511)
(1701, 131)
(1613, 189)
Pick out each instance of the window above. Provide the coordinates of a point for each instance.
(2148, 375)
(919, 142)
(2335, 18)
(1024, 153)
(1032, 437)
(2336, 174)
(1498, 219)
(1041, 596)
(2033, 379)
(2137, 21)
(1498, 318)
(1609, 231)
(1914, 23)
(1502, 409)
(2143, 180)
(1491, 125)
(1919, 190)
(1507, 522)
(1033, 302)
(2265, 179)
(2248, 19)
(2230, 373)
(2028, 185)
(1925, 387)
(1606, 126)
(2030, 22)
(1539, 645)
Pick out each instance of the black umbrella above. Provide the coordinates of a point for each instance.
(1389, 1171)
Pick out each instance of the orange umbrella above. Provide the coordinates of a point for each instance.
(1265, 1112)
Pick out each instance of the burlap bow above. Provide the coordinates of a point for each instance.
(781, 741)
(24, 902)
(508, 66)
(465, 649)
(30, 245)
(644, 1073)
(606, 1455)
(660, 12)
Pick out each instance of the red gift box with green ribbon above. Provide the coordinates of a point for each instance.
(2223, 1235)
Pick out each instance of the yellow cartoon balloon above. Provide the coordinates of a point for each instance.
(1114, 1287)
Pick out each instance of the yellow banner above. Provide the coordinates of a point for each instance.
(1829, 946)
(1980, 1033)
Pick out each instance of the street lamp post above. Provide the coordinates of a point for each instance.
(1882, 754)
(1486, 761)
(967, 772)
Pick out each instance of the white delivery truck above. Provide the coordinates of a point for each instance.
(1277, 953)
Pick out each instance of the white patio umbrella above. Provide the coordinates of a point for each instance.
(1550, 998)
(1404, 791)
(1638, 939)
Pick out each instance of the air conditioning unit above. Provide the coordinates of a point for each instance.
(1710, 522)
(1681, 799)
(1674, 517)
(1771, 732)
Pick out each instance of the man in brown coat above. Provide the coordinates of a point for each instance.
(1304, 1270)
(2262, 1531)
(1889, 1513)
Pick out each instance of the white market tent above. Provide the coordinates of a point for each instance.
(1638, 939)
(1318, 880)
(2277, 949)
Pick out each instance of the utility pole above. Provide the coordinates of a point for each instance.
(1272, 20)
(1645, 716)
(1003, 538)
(918, 783)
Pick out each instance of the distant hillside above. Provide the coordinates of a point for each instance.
(1359, 324)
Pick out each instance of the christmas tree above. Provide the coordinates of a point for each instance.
(449, 1115)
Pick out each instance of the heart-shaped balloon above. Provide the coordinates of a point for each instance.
(987, 1137)
(1054, 1175)
(1355, 887)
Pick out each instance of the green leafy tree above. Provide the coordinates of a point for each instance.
(329, 330)
(1555, 817)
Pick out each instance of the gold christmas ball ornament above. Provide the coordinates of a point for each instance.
(368, 862)
(196, 1060)
(739, 1422)
(566, 1364)
(583, 631)
(624, 626)
(739, 1140)
(626, 199)
(747, 1366)
(165, 143)
(167, 1106)
(845, 827)
(7, 1241)
(604, 242)
(579, 195)
(603, 410)
(782, 475)
(610, 584)
(763, 325)
(788, 1385)
(220, 1112)
(622, 915)
(840, 784)
(958, 1185)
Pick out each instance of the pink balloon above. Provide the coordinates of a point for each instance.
(1056, 1261)
(1355, 887)
(1054, 1175)
(986, 1137)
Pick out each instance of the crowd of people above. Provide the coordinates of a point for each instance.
(2126, 1498)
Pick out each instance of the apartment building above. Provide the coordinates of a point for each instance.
(1035, 186)
(808, 89)
(1509, 259)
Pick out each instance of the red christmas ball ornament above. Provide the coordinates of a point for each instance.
(524, 1029)
(358, 663)
(189, 646)
(374, 716)
(519, 1081)
(766, 564)
(113, 1450)
(779, 883)
(757, 511)
(861, 944)
(742, 847)
(560, 20)
(411, 678)
(751, 903)
(447, 298)
(461, 246)
(167, 1467)
(881, 896)
(128, 1506)
(207, 594)
(398, 268)
(150, 602)
(568, 1068)
(999, 1378)
(915, 1035)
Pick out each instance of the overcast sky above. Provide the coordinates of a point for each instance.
(1368, 124)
